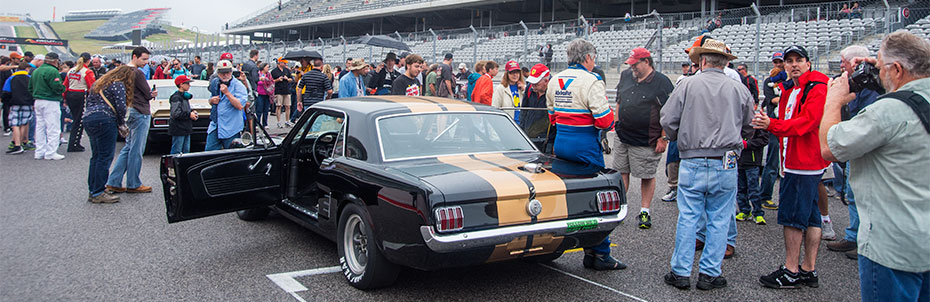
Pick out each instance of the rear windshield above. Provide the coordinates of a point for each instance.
(436, 134)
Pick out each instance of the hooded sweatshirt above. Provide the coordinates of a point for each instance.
(798, 131)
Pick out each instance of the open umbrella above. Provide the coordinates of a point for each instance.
(297, 54)
(384, 41)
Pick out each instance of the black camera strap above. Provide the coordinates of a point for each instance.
(916, 102)
(807, 88)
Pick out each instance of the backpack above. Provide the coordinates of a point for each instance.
(916, 102)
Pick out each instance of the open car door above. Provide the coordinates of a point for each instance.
(209, 183)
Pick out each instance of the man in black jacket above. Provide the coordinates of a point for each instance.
(20, 102)
(384, 75)
(180, 125)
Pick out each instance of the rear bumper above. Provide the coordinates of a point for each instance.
(443, 243)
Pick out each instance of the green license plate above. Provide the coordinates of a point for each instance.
(575, 226)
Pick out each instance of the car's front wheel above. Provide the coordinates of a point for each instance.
(362, 263)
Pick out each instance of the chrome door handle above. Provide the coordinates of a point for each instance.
(255, 164)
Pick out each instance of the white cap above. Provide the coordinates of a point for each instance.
(463, 66)
(39, 57)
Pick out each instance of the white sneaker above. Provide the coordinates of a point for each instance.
(279, 125)
(671, 196)
(7, 133)
(64, 140)
(54, 156)
(827, 234)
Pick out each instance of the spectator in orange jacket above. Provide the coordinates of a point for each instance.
(484, 88)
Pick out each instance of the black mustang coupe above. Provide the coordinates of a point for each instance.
(426, 183)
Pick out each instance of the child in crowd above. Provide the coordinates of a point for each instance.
(748, 189)
(182, 117)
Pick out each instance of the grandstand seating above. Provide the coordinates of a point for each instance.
(97, 14)
(120, 27)
(305, 9)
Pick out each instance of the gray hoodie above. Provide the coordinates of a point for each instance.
(708, 114)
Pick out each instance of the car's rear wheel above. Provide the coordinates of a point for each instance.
(543, 258)
(253, 214)
(362, 263)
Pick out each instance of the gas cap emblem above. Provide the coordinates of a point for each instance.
(534, 207)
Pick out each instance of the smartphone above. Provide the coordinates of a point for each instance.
(153, 87)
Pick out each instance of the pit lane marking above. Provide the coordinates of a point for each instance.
(288, 282)
(594, 283)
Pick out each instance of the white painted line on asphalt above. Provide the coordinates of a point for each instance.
(595, 283)
(288, 282)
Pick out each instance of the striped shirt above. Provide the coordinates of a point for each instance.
(317, 85)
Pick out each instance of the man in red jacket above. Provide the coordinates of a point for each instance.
(799, 109)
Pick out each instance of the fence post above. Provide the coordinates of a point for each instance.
(343, 47)
(474, 47)
(322, 49)
(755, 64)
(887, 17)
(434, 41)
(526, 37)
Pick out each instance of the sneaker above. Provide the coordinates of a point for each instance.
(671, 196)
(76, 149)
(760, 220)
(54, 156)
(677, 281)
(103, 198)
(288, 124)
(645, 221)
(742, 216)
(698, 245)
(63, 140)
(29, 145)
(827, 234)
(602, 262)
(809, 278)
(706, 282)
(782, 278)
(7, 132)
(769, 204)
(16, 150)
(842, 246)
(11, 145)
(279, 125)
(140, 189)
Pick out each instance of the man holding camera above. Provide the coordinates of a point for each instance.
(887, 147)
(229, 106)
(799, 111)
(864, 97)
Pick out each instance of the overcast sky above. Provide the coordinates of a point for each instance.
(209, 15)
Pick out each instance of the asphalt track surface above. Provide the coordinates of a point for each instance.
(55, 246)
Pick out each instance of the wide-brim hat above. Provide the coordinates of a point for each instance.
(356, 64)
(710, 46)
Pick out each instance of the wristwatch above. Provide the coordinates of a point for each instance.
(666, 138)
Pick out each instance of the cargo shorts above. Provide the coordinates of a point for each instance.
(639, 161)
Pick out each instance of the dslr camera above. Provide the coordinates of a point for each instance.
(865, 76)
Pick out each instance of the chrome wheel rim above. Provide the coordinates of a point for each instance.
(355, 243)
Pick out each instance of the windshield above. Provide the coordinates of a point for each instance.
(199, 92)
(435, 134)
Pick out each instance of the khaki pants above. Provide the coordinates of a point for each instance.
(671, 170)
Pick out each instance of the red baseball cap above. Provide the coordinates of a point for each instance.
(226, 56)
(637, 54)
(511, 66)
(181, 79)
(538, 73)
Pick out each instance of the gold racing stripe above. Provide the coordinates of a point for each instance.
(512, 192)
(413, 104)
(550, 189)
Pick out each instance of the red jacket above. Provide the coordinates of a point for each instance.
(802, 152)
(483, 91)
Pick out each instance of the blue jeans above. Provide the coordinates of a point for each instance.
(101, 131)
(216, 143)
(32, 130)
(852, 231)
(770, 171)
(129, 162)
(704, 188)
(838, 181)
(261, 109)
(180, 144)
(747, 196)
(879, 283)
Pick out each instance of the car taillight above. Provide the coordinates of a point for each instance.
(450, 219)
(160, 122)
(608, 201)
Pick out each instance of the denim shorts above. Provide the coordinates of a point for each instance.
(797, 201)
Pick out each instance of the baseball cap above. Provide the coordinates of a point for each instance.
(448, 56)
(181, 79)
(39, 57)
(462, 66)
(537, 73)
(511, 66)
(15, 55)
(224, 66)
(281, 60)
(226, 56)
(798, 50)
(637, 54)
(51, 56)
(778, 56)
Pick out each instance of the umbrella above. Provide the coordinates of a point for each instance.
(384, 41)
(297, 54)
